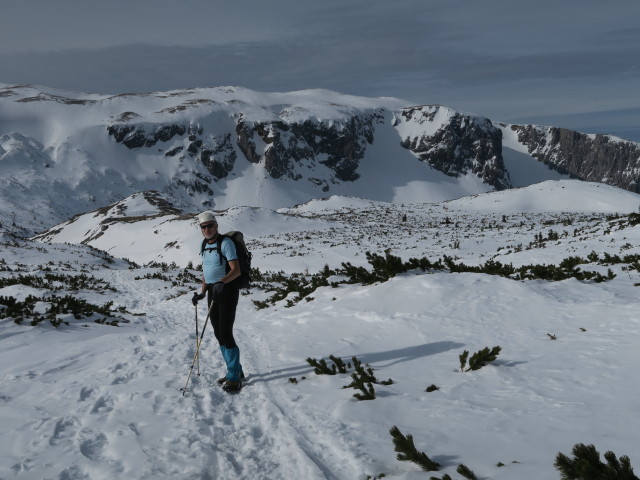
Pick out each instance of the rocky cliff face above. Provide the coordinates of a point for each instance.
(595, 158)
(338, 145)
(285, 147)
(454, 143)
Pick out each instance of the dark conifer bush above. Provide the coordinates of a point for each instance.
(185, 277)
(462, 470)
(359, 383)
(466, 472)
(154, 276)
(634, 219)
(478, 359)
(68, 304)
(389, 266)
(362, 379)
(407, 451)
(55, 282)
(586, 465)
(342, 368)
(464, 356)
(321, 367)
(482, 357)
(364, 373)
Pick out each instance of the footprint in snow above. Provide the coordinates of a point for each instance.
(123, 378)
(85, 393)
(64, 430)
(103, 405)
(92, 444)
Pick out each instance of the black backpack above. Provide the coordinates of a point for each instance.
(244, 256)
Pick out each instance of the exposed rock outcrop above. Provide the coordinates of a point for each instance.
(286, 146)
(340, 146)
(136, 136)
(595, 158)
(454, 143)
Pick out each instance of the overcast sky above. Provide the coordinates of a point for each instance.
(567, 63)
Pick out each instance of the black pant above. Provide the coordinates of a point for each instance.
(223, 314)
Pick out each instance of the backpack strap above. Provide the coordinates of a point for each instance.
(219, 248)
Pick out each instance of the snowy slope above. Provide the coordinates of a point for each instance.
(93, 401)
(570, 196)
(346, 227)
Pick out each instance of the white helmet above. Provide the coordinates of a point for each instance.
(207, 216)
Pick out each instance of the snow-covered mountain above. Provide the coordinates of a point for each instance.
(315, 180)
(64, 153)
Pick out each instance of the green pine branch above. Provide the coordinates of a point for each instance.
(407, 451)
(466, 472)
(321, 367)
(479, 359)
(586, 465)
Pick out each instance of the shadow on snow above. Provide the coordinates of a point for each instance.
(376, 360)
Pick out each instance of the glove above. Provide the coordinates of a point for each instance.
(196, 298)
(217, 288)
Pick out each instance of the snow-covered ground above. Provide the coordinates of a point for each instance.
(92, 401)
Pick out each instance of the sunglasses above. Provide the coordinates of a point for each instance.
(208, 226)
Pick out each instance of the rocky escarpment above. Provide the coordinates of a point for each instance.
(596, 158)
(287, 149)
(454, 143)
(215, 152)
(338, 145)
(136, 136)
(327, 151)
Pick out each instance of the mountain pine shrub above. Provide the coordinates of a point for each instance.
(68, 304)
(154, 276)
(342, 368)
(55, 282)
(388, 266)
(478, 359)
(407, 451)
(321, 367)
(466, 472)
(586, 465)
(463, 357)
(366, 387)
(362, 379)
(366, 374)
(634, 219)
(462, 470)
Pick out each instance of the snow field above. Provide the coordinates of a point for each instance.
(94, 401)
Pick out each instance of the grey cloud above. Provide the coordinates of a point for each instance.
(499, 58)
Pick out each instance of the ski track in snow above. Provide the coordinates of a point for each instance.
(100, 425)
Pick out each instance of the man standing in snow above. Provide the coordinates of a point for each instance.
(220, 268)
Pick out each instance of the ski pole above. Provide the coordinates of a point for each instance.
(198, 343)
(197, 333)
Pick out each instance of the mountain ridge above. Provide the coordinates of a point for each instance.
(66, 153)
